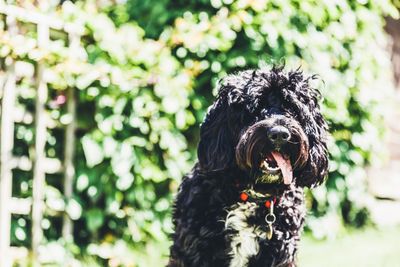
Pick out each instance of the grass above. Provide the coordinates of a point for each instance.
(357, 248)
(361, 248)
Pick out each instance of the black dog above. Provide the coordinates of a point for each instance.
(262, 141)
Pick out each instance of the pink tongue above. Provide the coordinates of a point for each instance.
(285, 166)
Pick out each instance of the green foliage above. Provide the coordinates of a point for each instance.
(135, 154)
(144, 80)
(331, 39)
(133, 98)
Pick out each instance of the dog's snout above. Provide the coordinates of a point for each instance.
(278, 135)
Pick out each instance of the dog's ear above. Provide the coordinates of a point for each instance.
(316, 168)
(216, 149)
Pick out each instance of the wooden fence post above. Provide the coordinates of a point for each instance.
(69, 168)
(40, 143)
(69, 148)
(6, 147)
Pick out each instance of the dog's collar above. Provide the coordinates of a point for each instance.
(247, 193)
(265, 200)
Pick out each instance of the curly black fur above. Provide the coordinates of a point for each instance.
(212, 226)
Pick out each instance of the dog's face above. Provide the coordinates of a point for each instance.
(268, 124)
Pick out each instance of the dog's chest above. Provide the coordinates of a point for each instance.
(243, 237)
(247, 238)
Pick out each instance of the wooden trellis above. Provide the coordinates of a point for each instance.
(38, 163)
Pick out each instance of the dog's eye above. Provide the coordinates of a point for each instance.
(273, 99)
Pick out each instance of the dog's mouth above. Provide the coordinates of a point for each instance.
(274, 168)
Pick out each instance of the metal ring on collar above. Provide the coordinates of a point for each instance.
(270, 218)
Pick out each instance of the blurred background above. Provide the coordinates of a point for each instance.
(101, 102)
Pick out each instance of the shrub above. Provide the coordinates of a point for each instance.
(344, 43)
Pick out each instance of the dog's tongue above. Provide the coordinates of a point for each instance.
(285, 166)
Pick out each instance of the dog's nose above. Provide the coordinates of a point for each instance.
(278, 135)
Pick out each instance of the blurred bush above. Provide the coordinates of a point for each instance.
(343, 42)
(144, 82)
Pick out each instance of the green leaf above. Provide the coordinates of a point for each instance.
(93, 151)
(94, 219)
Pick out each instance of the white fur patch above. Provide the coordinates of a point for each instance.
(244, 239)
